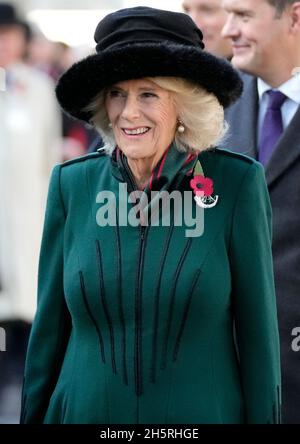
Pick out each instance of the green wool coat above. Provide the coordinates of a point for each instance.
(146, 325)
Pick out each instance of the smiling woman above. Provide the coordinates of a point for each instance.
(162, 325)
(143, 118)
(156, 107)
(200, 111)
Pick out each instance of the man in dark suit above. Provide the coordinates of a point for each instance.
(265, 36)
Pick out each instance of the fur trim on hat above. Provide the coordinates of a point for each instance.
(85, 79)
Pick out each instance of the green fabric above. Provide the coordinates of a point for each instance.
(147, 325)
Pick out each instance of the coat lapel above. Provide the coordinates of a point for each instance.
(286, 152)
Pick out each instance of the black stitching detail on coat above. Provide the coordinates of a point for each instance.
(83, 292)
(121, 309)
(156, 307)
(138, 315)
(185, 315)
(105, 307)
(171, 305)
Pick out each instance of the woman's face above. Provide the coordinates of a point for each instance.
(143, 117)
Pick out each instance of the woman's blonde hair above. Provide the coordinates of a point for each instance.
(199, 111)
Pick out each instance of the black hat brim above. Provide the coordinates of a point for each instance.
(78, 86)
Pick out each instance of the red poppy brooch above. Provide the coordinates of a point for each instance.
(203, 188)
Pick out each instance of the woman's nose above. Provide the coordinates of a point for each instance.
(131, 109)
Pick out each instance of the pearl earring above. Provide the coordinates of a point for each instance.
(110, 125)
(181, 128)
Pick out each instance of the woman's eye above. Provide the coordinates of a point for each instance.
(149, 94)
(115, 93)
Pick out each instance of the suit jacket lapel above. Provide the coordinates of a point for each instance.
(242, 117)
(250, 116)
(286, 151)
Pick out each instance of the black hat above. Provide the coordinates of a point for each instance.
(8, 17)
(145, 42)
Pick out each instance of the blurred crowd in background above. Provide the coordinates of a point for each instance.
(34, 135)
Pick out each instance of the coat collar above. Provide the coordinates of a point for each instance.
(167, 174)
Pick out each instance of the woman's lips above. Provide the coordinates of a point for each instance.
(134, 132)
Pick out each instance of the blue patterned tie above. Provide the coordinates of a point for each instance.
(272, 127)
